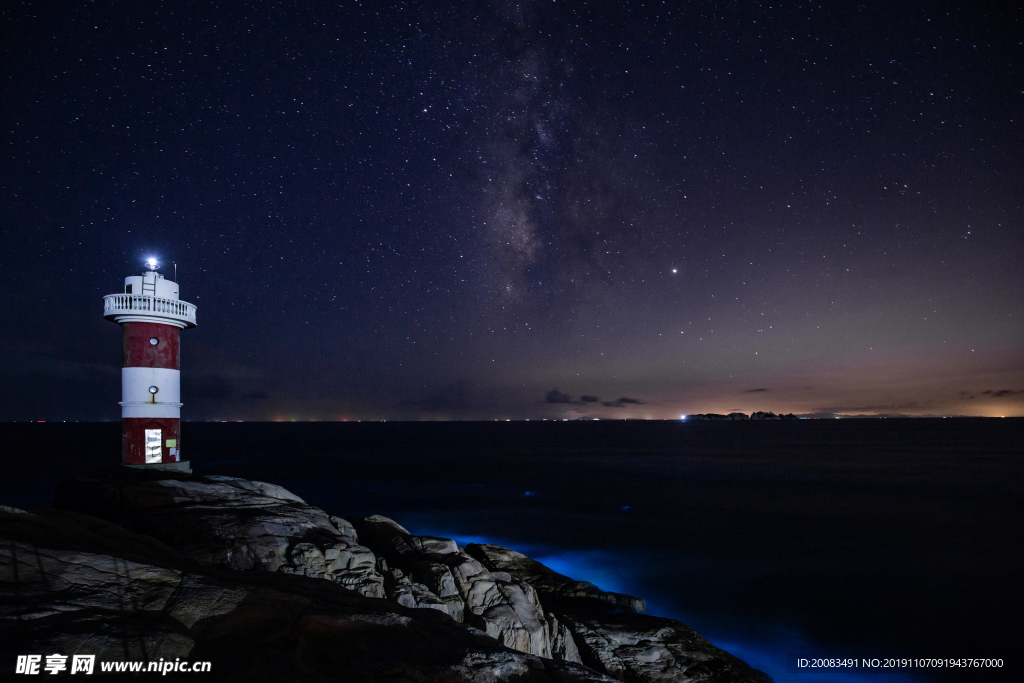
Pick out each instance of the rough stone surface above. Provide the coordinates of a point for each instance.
(640, 647)
(434, 572)
(249, 575)
(72, 584)
(234, 523)
(626, 645)
(548, 581)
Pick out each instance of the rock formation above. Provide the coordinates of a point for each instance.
(623, 644)
(74, 584)
(235, 524)
(548, 582)
(738, 417)
(505, 608)
(249, 576)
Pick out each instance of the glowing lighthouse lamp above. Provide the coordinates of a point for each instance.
(151, 318)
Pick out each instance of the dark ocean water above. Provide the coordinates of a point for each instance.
(865, 538)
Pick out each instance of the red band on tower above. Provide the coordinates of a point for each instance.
(139, 351)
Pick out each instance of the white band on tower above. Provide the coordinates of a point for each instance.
(139, 398)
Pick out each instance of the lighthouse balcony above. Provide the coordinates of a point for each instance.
(136, 307)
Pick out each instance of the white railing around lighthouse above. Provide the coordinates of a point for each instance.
(127, 304)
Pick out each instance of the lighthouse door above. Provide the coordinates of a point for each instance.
(154, 449)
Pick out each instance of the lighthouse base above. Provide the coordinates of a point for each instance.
(180, 466)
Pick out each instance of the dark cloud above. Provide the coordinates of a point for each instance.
(755, 391)
(213, 387)
(965, 395)
(38, 397)
(589, 399)
(257, 395)
(556, 396)
(912, 405)
(860, 416)
(1002, 392)
(33, 365)
(622, 401)
(454, 396)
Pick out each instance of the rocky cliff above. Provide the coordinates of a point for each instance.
(248, 576)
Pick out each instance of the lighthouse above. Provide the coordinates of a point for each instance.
(151, 317)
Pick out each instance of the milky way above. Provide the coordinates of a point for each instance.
(408, 211)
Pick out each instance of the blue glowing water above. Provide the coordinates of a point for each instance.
(767, 651)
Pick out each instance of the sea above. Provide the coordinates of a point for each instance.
(876, 540)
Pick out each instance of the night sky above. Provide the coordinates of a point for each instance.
(507, 211)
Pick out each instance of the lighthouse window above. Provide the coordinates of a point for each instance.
(127, 289)
(154, 341)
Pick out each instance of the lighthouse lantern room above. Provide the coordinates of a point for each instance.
(151, 317)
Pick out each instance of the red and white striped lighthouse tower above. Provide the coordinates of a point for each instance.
(151, 318)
